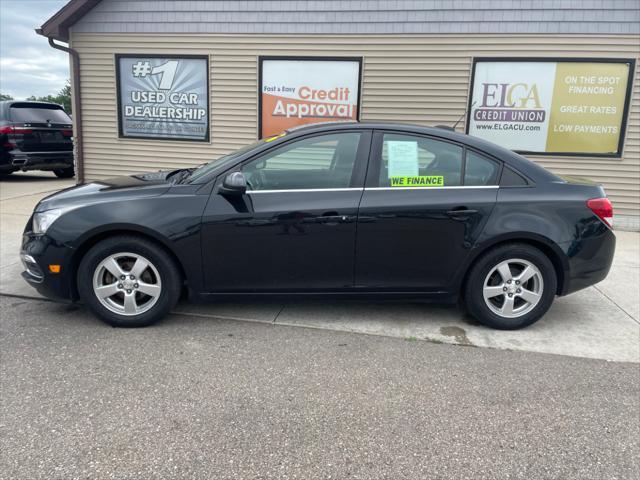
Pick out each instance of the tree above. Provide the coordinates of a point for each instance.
(63, 98)
(5, 97)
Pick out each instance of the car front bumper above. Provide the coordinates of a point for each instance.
(37, 254)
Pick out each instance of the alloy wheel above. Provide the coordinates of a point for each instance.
(513, 288)
(127, 284)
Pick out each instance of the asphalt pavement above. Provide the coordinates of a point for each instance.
(202, 398)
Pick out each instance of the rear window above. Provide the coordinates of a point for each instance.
(414, 161)
(512, 179)
(30, 113)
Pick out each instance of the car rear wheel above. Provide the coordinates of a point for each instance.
(510, 287)
(128, 281)
(64, 172)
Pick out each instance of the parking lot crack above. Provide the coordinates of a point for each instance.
(278, 314)
(616, 304)
(29, 194)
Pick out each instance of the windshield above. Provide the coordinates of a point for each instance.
(207, 167)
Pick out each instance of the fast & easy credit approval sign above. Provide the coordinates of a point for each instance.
(163, 97)
(559, 106)
(297, 91)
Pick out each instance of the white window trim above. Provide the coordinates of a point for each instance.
(456, 187)
(306, 190)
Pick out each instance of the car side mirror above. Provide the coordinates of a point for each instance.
(234, 184)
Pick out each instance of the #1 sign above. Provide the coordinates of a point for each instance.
(163, 97)
(563, 106)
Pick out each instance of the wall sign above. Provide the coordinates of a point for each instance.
(163, 97)
(551, 106)
(296, 91)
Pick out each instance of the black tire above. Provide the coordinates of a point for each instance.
(64, 172)
(474, 286)
(169, 277)
(6, 173)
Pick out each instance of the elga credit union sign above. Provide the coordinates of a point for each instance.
(297, 91)
(163, 97)
(562, 106)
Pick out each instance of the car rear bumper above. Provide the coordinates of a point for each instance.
(38, 252)
(18, 160)
(590, 260)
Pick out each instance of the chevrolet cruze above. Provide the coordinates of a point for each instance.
(338, 209)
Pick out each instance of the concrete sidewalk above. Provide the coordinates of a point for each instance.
(599, 322)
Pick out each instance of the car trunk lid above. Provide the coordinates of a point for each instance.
(573, 180)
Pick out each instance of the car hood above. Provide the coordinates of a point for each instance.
(111, 189)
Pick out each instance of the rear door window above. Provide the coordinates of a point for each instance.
(29, 113)
(413, 161)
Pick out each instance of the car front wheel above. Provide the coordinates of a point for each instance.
(510, 287)
(128, 281)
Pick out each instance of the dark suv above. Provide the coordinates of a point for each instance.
(35, 136)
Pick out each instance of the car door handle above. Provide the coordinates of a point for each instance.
(333, 219)
(460, 212)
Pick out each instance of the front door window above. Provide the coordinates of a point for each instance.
(319, 162)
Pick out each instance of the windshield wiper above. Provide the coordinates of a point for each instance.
(179, 176)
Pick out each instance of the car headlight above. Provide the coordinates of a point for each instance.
(43, 220)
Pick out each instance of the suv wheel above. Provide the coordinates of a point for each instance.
(64, 172)
(128, 281)
(510, 287)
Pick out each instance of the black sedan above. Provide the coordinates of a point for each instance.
(336, 209)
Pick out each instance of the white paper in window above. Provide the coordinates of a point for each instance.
(403, 158)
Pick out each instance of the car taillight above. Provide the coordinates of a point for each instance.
(67, 133)
(14, 130)
(11, 142)
(603, 209)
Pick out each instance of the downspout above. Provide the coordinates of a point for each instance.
(77, 111)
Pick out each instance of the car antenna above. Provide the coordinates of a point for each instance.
(463, 115)
(453, 129)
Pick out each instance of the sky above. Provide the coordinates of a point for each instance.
(28, 65)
